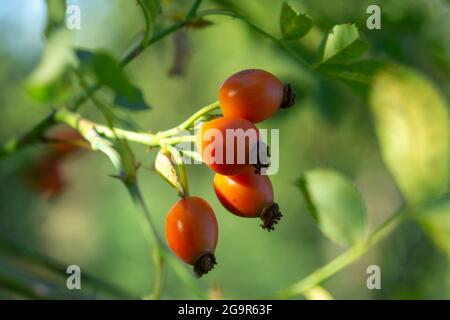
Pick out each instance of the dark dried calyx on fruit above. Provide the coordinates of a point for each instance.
(270, 216)
(288, 97)
(204, 264)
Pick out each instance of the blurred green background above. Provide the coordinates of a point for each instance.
(94, 224)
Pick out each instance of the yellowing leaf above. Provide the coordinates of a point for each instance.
(411, 121)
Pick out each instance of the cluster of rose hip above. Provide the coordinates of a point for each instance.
(245, 98)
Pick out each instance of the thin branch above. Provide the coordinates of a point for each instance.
(31, 137)
(339, 263)
(150, 229)
(148, 23)
(193, 12)
(253, 26)
(75, 121)
(188, 123)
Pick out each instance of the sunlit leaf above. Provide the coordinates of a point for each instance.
(339, 49)
(293, 24)
(343, 45)
(335, 204)
(49, 82)
(411, 121)
(435, 220)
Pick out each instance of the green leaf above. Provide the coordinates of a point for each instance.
(335, 204)
(135, 102)
(357, 75)
(108, 72)
(340, 47)
(84, 56)
(412, 124)
(293, 25)
(343, 44)
(50, 82)
(435, 220)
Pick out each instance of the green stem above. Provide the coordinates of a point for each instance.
(194, 155)
(200, 113)
(192, 13)
(147, 23)
(150, 228)
(75, 121)
(160, 35)
(31, 137)
(253, 26)
(83, 126)
(341, 261)
(177, 140)
(191, 120)
(136, 51)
